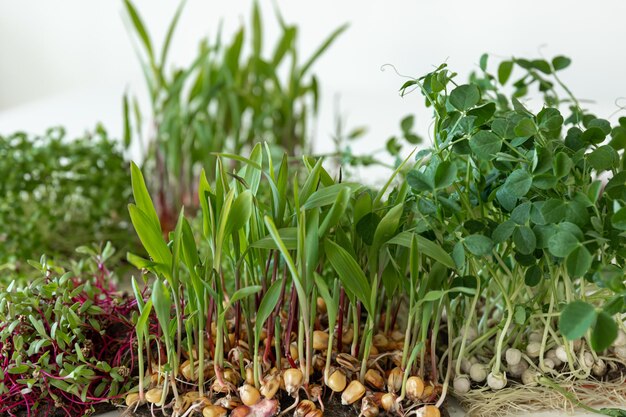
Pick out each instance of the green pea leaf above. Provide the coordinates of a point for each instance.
(604, 332)
(525, 240)
(533, 276)
(478, 245)
(504, 71)
(445, 175)
(603, 158)
(525, 127)
(578, 262)
(560, 62)
(576, 318)
(485, 144)
(562, 244)
(464, 97)
(618, 220)
(518, 183)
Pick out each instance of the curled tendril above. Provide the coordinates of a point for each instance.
(620, 103)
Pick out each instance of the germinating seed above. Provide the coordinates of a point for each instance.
(337, 381)
(496, 381)
(394, 380)
(513, 356)
(478, 372)
(533, 349)
(529, 377)
(517, 370)
(461, 384)
(599, 368)
(561, 354)
(353, 392)
(414, 388)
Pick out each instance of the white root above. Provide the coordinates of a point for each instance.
(588, 359)
(535, 337)
(513, 356)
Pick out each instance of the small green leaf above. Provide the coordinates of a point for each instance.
(445, 175)
(618, 220)
(604, 332)
(518, 183)
(485, 144)
(561, 62)
(533, 276)
(268, 303)
(504, 71)
(525, 127)
(525, 240)
(562, 244)
(349, 272)
(603, 158)
(578, 262)
(478, 245)
(577, 317)
(464, 97)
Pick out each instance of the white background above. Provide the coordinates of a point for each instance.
(69, 61)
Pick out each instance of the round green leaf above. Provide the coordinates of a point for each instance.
(618, 220)
(578, 262)
(576, 319)
(525, 127)
(562, 244)
(533, 276)
(525, 240)
(478, 245)
(485, 144)
(504, 71)
(603, 158)
(561, 62)
(464, 97)
(518, 183)
(604, 332)
(445, 175)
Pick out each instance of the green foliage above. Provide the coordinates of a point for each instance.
(222, 102)
(57, 194)
(65, 339)
(521, 188)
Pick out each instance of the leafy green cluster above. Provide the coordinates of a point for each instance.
(273, 230)
(65, 339)
(526, 198)
(224, 101)
(57, 194)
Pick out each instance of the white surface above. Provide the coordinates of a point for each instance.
(69, 62)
